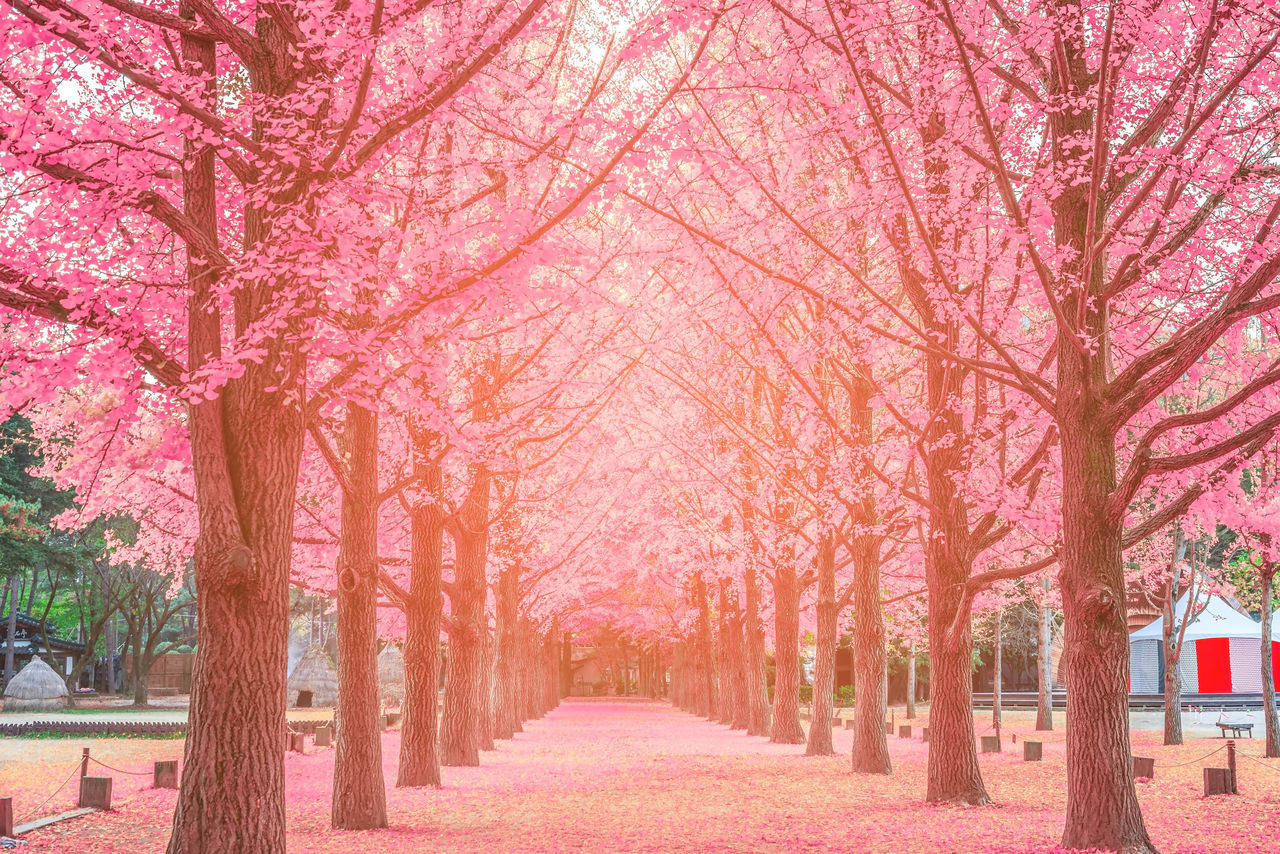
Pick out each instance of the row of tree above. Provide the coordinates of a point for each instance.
(496, 320)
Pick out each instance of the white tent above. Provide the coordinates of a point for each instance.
(1221, 653)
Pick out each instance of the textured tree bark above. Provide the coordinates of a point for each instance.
(551, 665)
(954, 776)
(12, 636)
(870, 664)
(1172, 643)
(911, 683)
(359, 793)
(678, 692)
(1102, 804)
(1172, 704)
(246, 447)
(704, 652)
(757, 681)
(738, 664)
(507, 705)
(464, 687)
(824, 665)
(530, 680)
(997, 677)
(419, 730)
(786, 687)
(724, 656)
(1266, 578)
(566, 665)
(1044, 666)
(488, 649)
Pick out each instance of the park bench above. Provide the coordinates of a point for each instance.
(1236, 728)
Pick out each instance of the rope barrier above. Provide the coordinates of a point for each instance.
(1259, 761)
(74, 771)
(119, 770)
(1194, 761)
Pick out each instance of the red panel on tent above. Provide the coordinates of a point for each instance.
(1275, 663)
(1213, 665)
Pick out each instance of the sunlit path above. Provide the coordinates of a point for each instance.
(616, 775)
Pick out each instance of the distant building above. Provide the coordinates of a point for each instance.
(29, 641)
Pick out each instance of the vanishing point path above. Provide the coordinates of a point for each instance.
(639, 776)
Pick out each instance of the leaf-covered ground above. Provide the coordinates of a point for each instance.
(639, 776)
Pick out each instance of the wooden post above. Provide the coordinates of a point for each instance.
(1032, 751)
(296, 742)
(848, 723)
(1144, 766)
(95, 792)
(924, 734)
(1231, 764)
(84, 763)
(165, 774)
(1217, 781)
(6, 817)
(904, 732)
(324, 736)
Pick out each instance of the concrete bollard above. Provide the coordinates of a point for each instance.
(1032, 751)
(165, 775)
(990, 744)
(904, 732)
(835, 722)
(1144, 766)
(95, 792)
(297, 743)
(848, 724)
(324, 736)
(888, 727)
(924, 734)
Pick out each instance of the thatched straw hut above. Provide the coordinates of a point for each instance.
(313, 681)
(391, 674)
(36, 688)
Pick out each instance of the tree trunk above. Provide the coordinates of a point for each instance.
(824, 665)
(704, 653)
(724, 656)
(870, 663)
(741, 711)
(359, 792)
(1172, 702)
(1102, 803)
(141, 683)
(1044, 666)
(786, 686)
(551, 666)
(464, 697)
(507, 705)
(112, 642)
(419, 748)
(566, 665)
(757, 681)
(1267, 578)
(911, 682)
(11, 640)
(487, 688)
(246, 446)
(997, 677)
